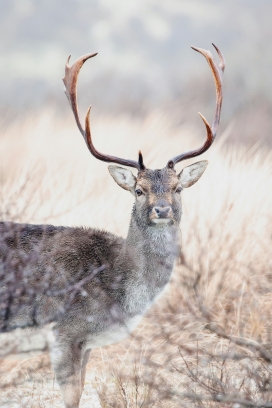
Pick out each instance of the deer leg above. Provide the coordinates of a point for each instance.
(83, 367)
(67, 361)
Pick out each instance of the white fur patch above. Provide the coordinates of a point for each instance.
(161, 220)
(115, 333)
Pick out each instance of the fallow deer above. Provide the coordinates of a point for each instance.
(130, 274)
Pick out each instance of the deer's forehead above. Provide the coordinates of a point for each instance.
(158, 181)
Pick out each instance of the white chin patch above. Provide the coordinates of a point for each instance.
(161, 220)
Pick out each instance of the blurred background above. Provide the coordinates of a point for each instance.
(146, 86)
(144, 63)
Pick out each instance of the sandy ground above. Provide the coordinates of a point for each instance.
(40, 390)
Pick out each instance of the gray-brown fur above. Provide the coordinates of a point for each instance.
(92, 285)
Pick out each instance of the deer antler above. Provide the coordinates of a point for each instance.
(70, 82)
(217, 71)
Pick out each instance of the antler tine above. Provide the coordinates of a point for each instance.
(70, 82)
(217, 71)
(111, 159)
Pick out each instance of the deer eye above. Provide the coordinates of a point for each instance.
(179, 190)
(138, 192)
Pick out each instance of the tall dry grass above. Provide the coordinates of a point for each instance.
(185, 352)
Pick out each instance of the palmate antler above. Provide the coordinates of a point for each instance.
(217, 71)
(70, 82)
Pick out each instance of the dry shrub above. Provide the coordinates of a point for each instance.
(207, 342)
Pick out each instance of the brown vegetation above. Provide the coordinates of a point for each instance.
(207, 342)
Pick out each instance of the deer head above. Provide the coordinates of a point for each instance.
(157, 192)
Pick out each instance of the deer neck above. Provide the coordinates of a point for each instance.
(153, 242)
(151, 252)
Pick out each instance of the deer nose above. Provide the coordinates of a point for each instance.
(162, 212)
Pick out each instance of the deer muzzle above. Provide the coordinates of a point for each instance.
(161, 215)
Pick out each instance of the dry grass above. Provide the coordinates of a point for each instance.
(177, 357)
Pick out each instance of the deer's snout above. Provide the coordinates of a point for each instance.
(162, 212)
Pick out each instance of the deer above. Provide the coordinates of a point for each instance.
(121, 278)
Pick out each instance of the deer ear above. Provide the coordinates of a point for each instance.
(190, 174)
(123, 177)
